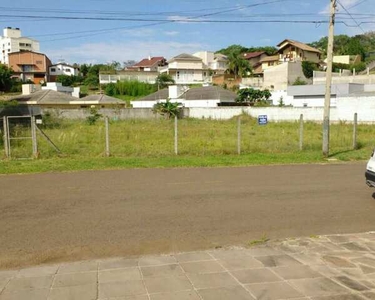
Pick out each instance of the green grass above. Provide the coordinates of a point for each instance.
(208, 143)
(259, 242)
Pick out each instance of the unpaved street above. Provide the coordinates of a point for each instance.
(73, 216)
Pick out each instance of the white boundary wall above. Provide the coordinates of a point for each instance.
(344, 111)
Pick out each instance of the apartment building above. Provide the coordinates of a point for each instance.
(13, 41)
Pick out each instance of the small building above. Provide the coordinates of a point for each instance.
(28, 65)
(290, 50)
(62, 69)
(187, 69)
(13, 41)
(209, 96)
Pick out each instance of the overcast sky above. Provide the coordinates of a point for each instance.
(167, 28)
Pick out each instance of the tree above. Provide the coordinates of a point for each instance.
(163, 80)
(250, 96)
(5, 78)
(241, 49)
(238, 66)
(128, 63)
(168, 109)
(65, 80)
(84, 68)
(354, 47)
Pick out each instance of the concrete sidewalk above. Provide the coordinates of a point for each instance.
(339, 267)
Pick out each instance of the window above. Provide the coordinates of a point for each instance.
(22, 44)
(67, 70)
(178, 74)
(53, 69)
(293, 49)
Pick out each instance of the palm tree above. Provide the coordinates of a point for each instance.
(238, 66)
(163, 80)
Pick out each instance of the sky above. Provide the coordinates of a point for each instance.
(101, 31)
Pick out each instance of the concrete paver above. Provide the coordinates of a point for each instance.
(273, 291)
(212, 280)
(319, 268)
(226, 293)
(201, 267)
(184, 295)
(256, 276)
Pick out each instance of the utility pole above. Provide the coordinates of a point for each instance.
(327, 101)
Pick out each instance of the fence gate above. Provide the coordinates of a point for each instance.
(19, 131)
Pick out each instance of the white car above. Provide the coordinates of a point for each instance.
(370, 171)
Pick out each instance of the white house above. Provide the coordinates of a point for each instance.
(187, 69)
(62, 69)
(217, 63)
(208, 96)
(13, 41)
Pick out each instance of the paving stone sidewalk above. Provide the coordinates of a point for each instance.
(337, 267)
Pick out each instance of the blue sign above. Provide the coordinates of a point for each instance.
(262, 120)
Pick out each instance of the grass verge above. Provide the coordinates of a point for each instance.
(110, 163)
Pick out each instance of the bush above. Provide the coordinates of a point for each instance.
(308, 68)
(358, 67)
(299, 81)
(94, 115)
(252, 96)
(110, 89)
(51, 120)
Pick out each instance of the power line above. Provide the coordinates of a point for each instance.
(355, 5)
(355, 21)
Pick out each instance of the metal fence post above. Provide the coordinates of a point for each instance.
(301, 132)
(107, 151)
(355, 125)
(239, 135)
(5, 137)
(175, 135)
(33, 137)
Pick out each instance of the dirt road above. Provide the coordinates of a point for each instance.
(74, 216)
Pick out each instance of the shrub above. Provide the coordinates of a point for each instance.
(299, 81)
(168, 109)
(110, 89)
(94, 115)
(308, 68)
(252, 96)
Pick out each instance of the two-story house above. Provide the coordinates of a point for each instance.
(187, 69)
(290, 50)
(28, 65)
(62, 69)
(255, 58)
(150, 64)
(216, 62)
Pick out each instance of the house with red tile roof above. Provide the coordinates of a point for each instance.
(150, 64)
(255, 58)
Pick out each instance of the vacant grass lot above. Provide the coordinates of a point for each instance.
(150, 143)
